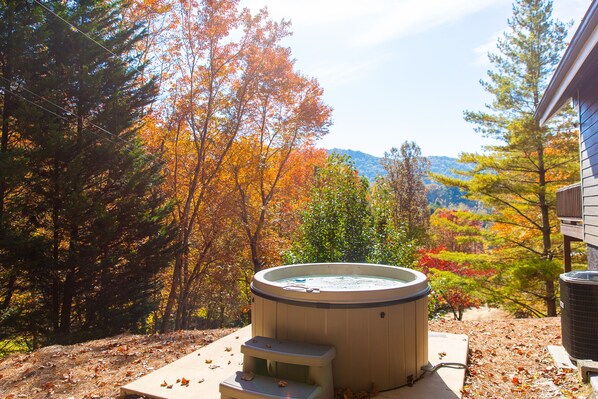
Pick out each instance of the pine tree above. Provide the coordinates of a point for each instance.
(18, 244)
(90, 190)
(518, 176)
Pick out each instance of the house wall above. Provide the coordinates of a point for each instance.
(588, 115)
(592, 257)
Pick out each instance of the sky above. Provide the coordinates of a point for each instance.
(400, 70)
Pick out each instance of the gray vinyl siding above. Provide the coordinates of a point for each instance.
(588, 117)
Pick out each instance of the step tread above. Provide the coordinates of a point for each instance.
(292, 352)
(266, 387)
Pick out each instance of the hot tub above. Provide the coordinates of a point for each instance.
(375, 316)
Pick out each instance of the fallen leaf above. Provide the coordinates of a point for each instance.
(200, 381)
(228, 349)
(169, 386)
(247, 376)
(516, 381)
(185, 382)
(208, 361)
(164, 384)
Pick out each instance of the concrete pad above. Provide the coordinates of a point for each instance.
(594, 382)
(560, 357)
(204, 369)
(445, 383)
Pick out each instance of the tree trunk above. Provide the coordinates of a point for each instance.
(176, 273)
(550, 298)
(6, 104)
(68, 294)
(6, 108)
(10, 289)
(55, 250)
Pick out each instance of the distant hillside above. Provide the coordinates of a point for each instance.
(369, 165)
(438, 195)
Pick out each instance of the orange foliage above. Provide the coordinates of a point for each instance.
(235, 128)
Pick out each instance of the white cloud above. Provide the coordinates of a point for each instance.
(408, 17)
(481, 52)
(372, 22)
(339, 73)
(322, 13)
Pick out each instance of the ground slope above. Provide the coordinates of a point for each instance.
(508, 359)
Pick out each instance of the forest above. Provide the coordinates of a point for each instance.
(155, 154)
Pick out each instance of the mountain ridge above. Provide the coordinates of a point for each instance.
(369, 165)
(438, 195)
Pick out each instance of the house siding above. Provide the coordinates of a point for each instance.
(592, 257)
(588, 141)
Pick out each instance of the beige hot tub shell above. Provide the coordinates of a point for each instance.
(380, 335)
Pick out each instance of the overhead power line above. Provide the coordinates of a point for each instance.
(112, 135)
(76, 29)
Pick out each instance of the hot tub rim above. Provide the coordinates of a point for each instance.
(350, 305)
(310, 299)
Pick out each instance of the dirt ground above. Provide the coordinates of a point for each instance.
(508, 359)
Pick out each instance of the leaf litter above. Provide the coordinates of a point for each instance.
(507, 358)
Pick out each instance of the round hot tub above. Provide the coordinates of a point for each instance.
(375, 316)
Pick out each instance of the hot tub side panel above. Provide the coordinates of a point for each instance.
(384, 345)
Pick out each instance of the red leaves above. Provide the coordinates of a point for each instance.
(515, 380)
(427, 261)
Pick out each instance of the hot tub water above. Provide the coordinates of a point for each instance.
(341, 282)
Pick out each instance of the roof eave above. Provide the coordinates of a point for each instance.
(560, 89)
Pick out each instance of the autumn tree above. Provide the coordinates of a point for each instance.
(207, 95)
(406, 169)
(336, 223)
(455, 285)
(287, 114)
(517, 177)
(234, 114)
(457, 231)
